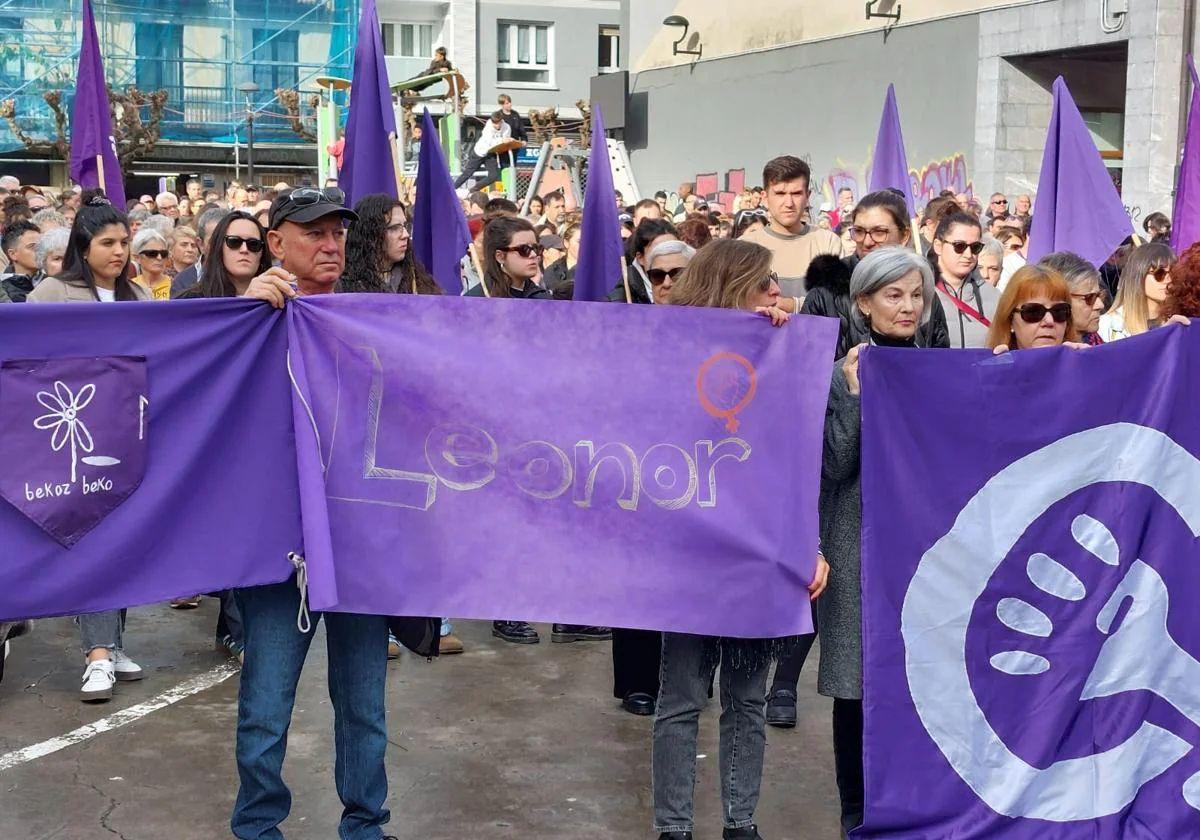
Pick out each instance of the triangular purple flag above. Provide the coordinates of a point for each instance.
(93, 147)
(1078, 207)
(889, 169)
(440, 235)
(1185, 221)
(367, 165)
(600, 252)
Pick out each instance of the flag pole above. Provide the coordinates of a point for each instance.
(100, 173)
(396, 165)
(625, 281)
(478, 269)
(916, 237)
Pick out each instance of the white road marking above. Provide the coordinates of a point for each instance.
(185, 689)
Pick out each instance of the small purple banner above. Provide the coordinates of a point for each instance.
(642, 467)
(1029, 574)
(74, 442)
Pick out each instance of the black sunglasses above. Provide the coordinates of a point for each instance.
(959, 247)
(1161, 273)
(999, 201)
(1089, 299)
(658, 275)
(526, 251)
(1033, 313)
(153, 254)
(235, 243)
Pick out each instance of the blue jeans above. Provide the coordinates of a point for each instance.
(275, 653)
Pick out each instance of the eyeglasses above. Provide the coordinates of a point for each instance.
(235, 243)
(766, 282)
(153, 254)
(1161, 273)
(959, 247)
(1089, 299)
(526, 251)
(1033, 313)
(659, 275)
(400, 227)
(879, 234)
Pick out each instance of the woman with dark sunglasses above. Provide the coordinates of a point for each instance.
(967, 300)
(511, 259)
(237, 254)
(150, 252)
(1034, 311)
(1087, 297)
(379, 255)
(1142, 291)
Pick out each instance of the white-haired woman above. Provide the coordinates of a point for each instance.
(150, 253)
(892, 295)
(665, 262)
(49, 253)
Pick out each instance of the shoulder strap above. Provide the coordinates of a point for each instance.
(962, 306)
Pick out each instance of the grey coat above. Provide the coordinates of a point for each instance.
(839, 609)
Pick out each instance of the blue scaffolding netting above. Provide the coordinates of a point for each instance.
(198, 51)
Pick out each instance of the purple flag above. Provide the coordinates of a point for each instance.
(148, 453)
(1185, 222)
(1029, 629)
(440, 235)
(461, 483)
(93, 146)
(889, 169)
(368, 166)
(600, 251)
(1078, 207)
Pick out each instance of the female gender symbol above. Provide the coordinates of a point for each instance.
(726, 384)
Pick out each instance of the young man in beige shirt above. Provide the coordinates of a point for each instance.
(794, 244)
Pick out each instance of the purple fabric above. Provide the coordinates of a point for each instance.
(367, 165)
(600, 252)
(217, 505)
(1078, 207)
(465, 466)
(1028, 590)
(889, 168)
(77, 430)
(91, 120)
(440, 235)
(1185, 221)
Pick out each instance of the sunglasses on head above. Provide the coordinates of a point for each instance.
(959, 247)
(1033, 313)
(153, 254)
(304, 196)
(658, 275)
(1089, 299)
(235, 243)
(526, 251)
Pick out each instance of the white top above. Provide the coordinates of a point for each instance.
(106, 295)
(492, 137)
(1013, 263)
(1112, 326)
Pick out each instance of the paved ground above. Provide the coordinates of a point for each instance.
(504, 741)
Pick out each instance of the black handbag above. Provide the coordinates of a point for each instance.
(423, 636)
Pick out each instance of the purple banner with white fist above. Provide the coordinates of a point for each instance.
(1030, 572)
(642, 467)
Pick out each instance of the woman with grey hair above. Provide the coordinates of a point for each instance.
(150, 251)
(664, 263)
(49, 253)
(893, 294)
(991, 260)
(1087, 299)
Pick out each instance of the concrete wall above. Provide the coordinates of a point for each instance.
(821, 101)
(575, 52)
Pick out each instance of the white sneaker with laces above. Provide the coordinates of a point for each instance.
(125, 668)
(98, 679)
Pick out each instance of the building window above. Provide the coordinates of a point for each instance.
(276, 59)
(408, 40)
(610, 49)
(525, 53)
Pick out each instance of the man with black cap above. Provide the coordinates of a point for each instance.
(308, 237)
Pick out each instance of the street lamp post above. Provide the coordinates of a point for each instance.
(249, 88)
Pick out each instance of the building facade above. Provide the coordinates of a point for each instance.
(204, 52)
(973, 80)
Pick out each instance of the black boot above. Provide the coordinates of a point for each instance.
(750, 832)
(638, 703)
(580, 633)
(517, 632)
(781, 708)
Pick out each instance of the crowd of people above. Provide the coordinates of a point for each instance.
(959, 278)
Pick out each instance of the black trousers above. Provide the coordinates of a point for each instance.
(848, 759)
(637, 655)
(490, 162)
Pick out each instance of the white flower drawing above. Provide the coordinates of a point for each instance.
(63, 420)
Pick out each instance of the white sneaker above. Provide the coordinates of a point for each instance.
(125, 668)
(98, 679)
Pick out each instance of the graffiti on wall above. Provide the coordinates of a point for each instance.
(927, 182)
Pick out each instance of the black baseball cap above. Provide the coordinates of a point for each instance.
(307, 204)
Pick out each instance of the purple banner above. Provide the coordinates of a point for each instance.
(1029, 576)
(147, 453)
(652, 467)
